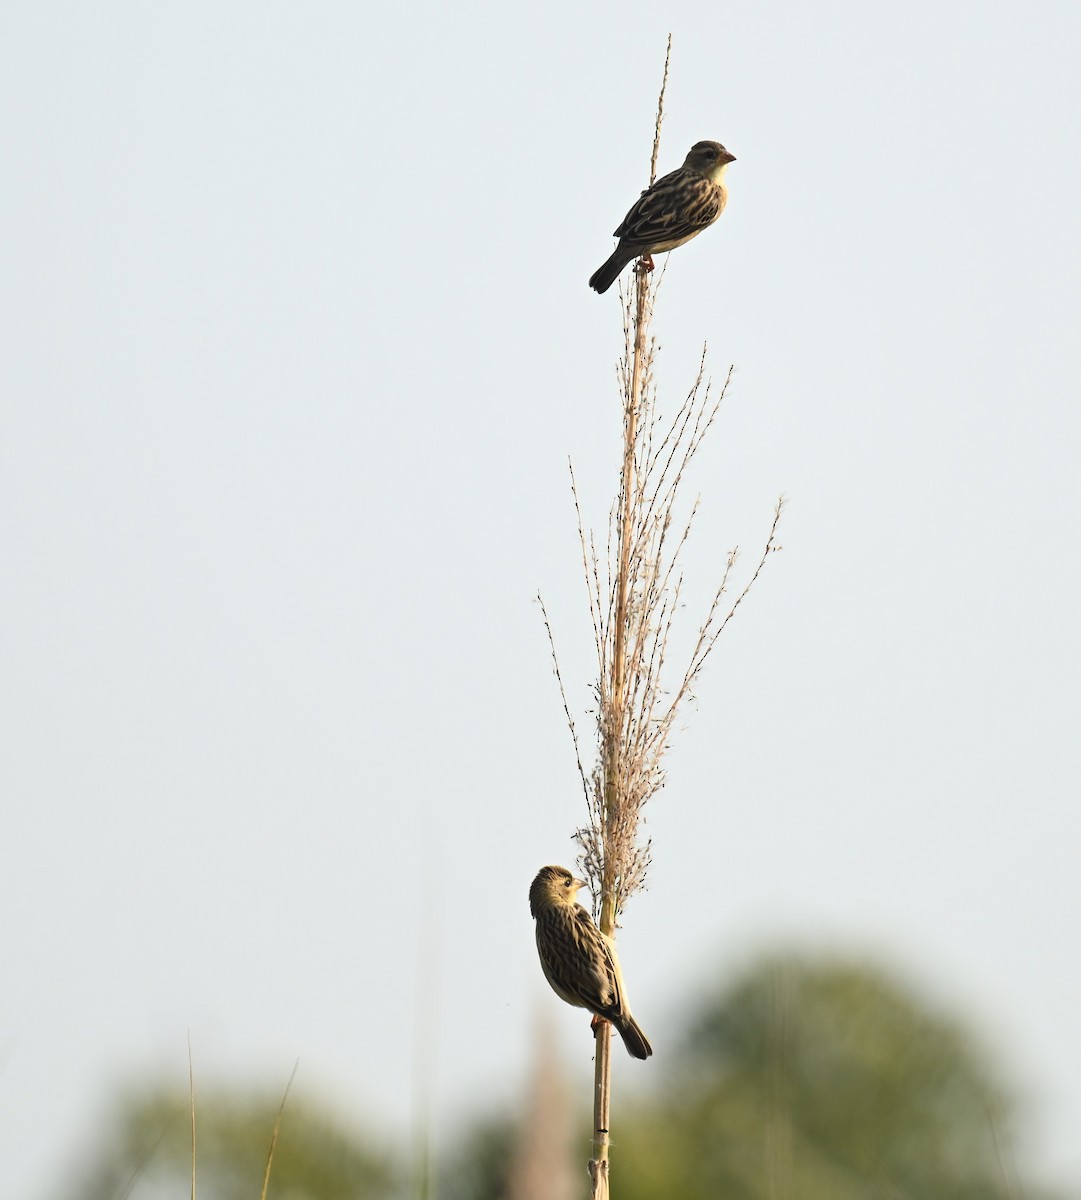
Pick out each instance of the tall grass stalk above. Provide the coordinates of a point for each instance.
(634, 589)
(277, 1132)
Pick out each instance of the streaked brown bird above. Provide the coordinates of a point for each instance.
(674, 210)
(577, 959)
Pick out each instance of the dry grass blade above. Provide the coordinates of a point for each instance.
(277, 1130)
(191, 1093)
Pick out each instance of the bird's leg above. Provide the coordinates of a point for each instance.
(596, 1023)
(646, 262)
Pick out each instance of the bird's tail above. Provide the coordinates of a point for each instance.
(605, 275)
(634, 1039)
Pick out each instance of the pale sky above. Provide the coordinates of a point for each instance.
(297, 344)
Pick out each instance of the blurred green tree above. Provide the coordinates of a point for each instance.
(477, 1166)
(819, 1080)
(807, 1079)
(148, 1154)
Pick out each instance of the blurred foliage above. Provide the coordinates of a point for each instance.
(479, 1164)
(315, 1158)
(807, 1079)
(804, 1080)
(820, 1080)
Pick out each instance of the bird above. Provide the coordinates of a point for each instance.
(577, 959)
(675, 209)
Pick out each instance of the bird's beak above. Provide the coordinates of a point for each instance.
(581, 883)
(729, 157)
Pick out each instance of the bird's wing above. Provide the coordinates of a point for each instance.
(608, 999)
(676, 207)
(570, 957)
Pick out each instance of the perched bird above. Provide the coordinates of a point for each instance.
(577, 959)
(676, 208)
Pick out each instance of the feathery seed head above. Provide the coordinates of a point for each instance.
(553, 886)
